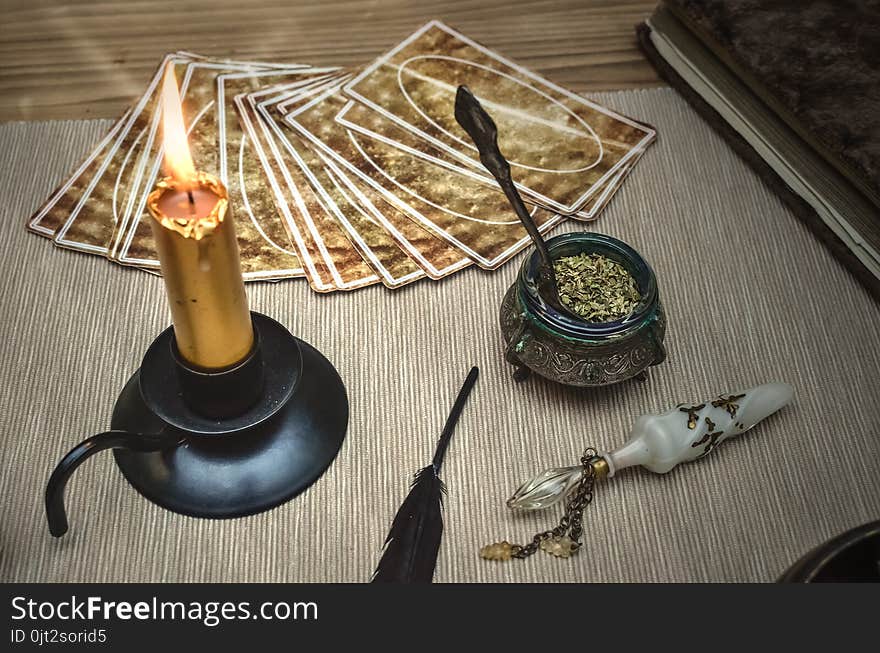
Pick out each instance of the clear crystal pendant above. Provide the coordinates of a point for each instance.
(546, 489)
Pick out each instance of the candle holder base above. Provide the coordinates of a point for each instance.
(253, 470)
(238, 465)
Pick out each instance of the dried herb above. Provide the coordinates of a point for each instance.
(595, 287)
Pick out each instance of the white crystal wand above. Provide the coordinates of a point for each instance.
(657, 443)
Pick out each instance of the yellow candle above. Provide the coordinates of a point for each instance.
(195, 238)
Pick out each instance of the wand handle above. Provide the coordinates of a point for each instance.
(690, 431)
(452, 420)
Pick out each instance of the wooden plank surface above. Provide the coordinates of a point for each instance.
(87, 59)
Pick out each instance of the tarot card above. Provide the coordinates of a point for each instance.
(368, 236)
(84, 214)
(265, 251)
(138, 248)
(94, 214)
(197, 90)
(240, 168)
(64, 201)
(55, 210)
(287, 200)
(331, 262)
(470, 214)
(363, 120)
(562, 148)
(437, 257)
(233, 84)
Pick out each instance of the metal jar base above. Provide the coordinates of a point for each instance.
(532, 347)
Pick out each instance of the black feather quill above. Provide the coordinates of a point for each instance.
(414, 539)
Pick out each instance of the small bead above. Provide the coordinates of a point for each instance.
(497, 551)
(561, 547)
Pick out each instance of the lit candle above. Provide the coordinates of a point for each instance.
(195, 239)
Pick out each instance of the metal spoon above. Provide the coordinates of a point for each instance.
(482, 130)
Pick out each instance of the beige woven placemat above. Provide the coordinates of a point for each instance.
(751, 297)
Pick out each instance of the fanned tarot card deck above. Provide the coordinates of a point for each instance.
(354, 177)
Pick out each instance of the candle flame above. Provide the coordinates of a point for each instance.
(178, 160)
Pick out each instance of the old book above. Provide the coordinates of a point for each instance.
(795, 87)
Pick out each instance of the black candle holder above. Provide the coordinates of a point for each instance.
(220, 444)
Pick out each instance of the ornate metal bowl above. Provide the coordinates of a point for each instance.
(576, 352)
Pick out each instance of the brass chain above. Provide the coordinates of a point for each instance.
(571, 523)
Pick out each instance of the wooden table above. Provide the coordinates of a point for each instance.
(79, 59)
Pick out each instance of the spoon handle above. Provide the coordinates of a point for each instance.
(525, 217)
(481, 128)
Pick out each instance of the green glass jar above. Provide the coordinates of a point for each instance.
(577, 352)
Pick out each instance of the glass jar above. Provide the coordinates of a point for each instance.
(576, 352)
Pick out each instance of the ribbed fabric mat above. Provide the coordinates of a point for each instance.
(751, 297)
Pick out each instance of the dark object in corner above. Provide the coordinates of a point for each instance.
(414, 539)
(851, 557)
